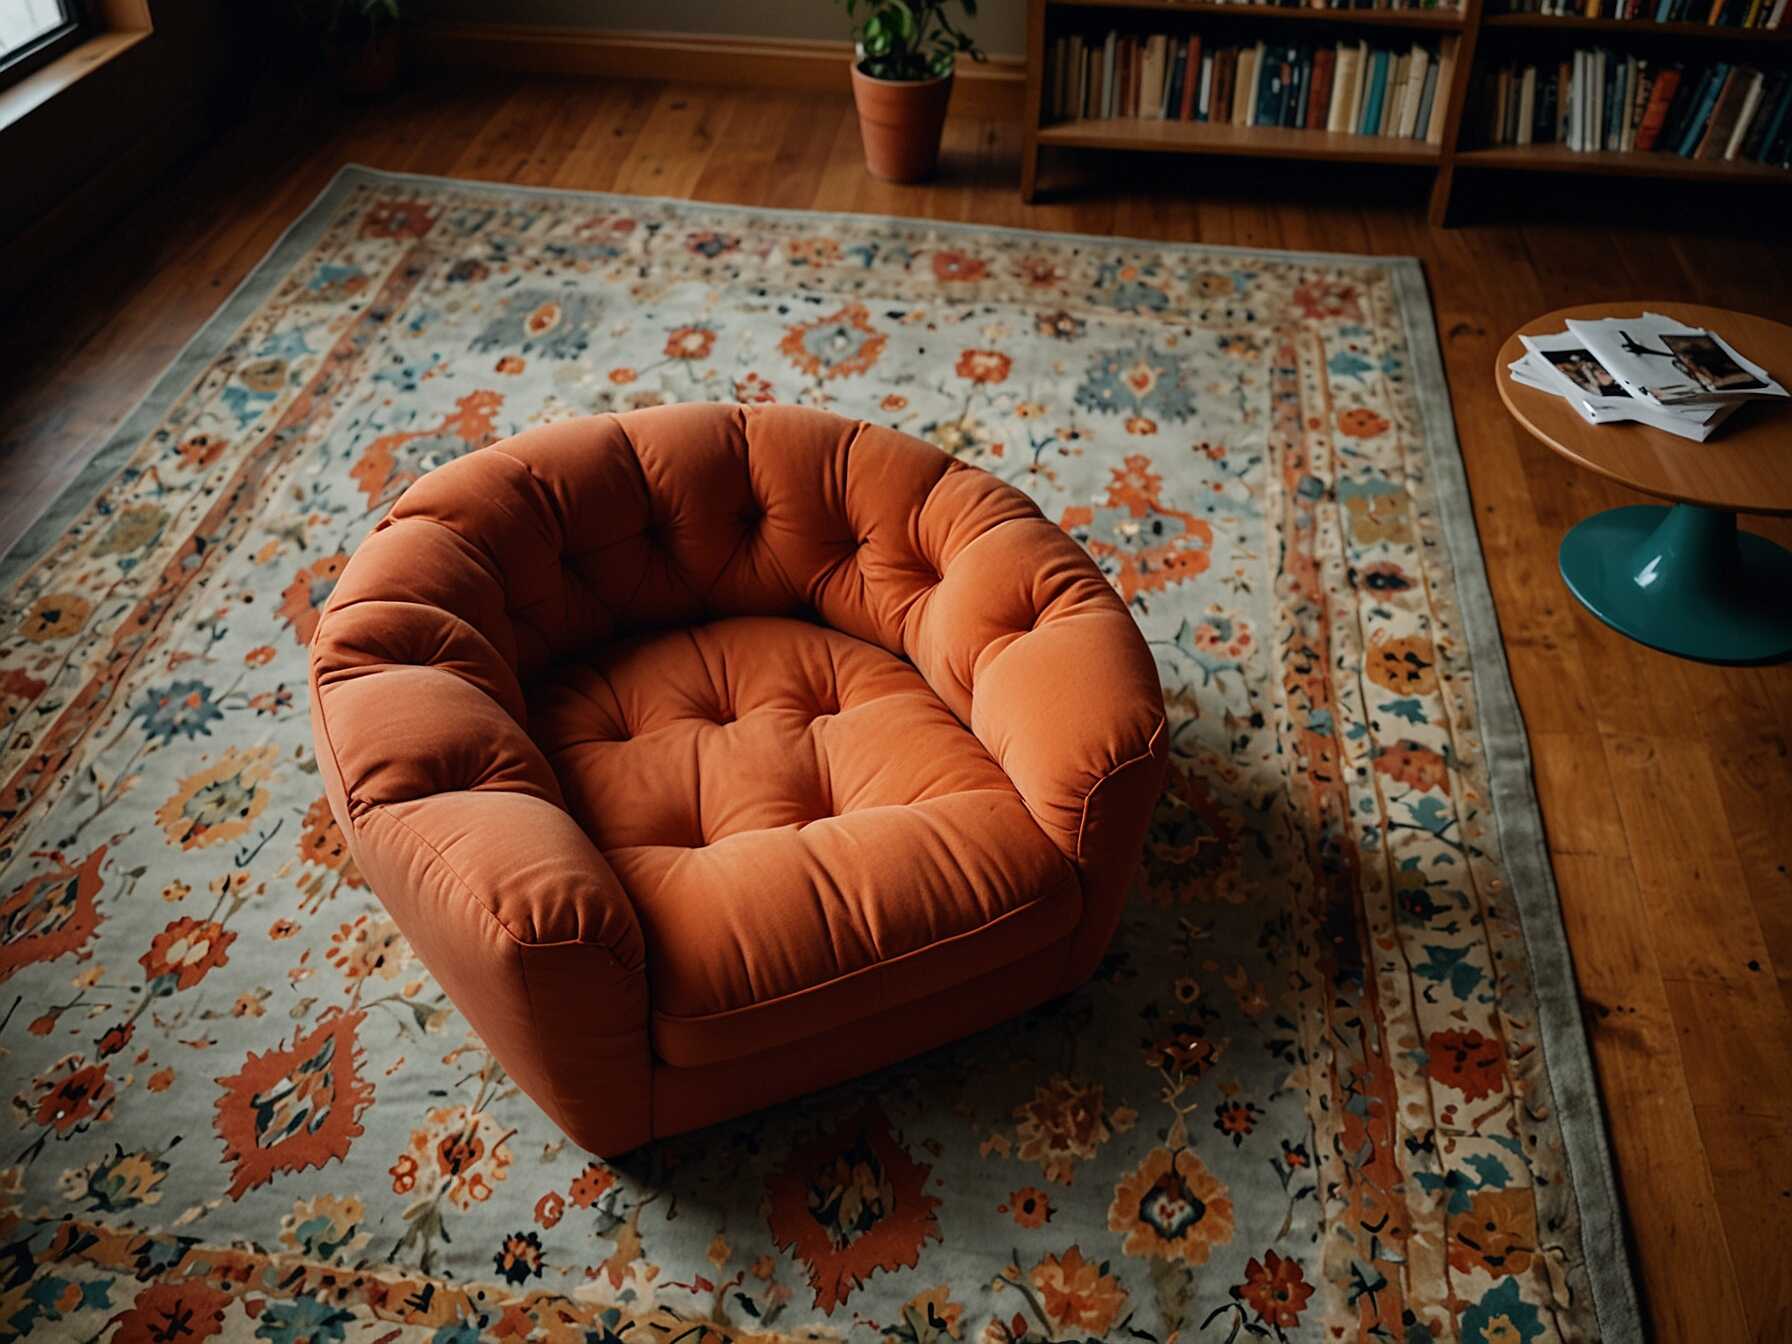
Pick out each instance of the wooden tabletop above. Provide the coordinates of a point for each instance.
(1746, 465)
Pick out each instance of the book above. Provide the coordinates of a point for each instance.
(1194, 81)
(1244, 86)
(1755, 144)
(1126, 50)
(1655, 115)
(1344, 79)
(1152, 64)
(1564, 99)
(1446, 76)
(1639, 101)
(1078, 62)
(1417, 73)
(1171, 109)
(1359, 91)
(1377, 90)
(1596, 95)
(1751, 105)
(1202, 109)
(1106, 83)
(1319, 101)
(1427, 102)
(1698, 114)
(1724, 112)
(1272, 90)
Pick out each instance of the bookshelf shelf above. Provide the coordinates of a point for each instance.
(1436, 20)
(1203, 137)
(1634, 163)
(1617, 29)
(1458, 28)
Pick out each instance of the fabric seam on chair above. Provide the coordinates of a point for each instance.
(1089, 797)
(863, 971)
(471, 893)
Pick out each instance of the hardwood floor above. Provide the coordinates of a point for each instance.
(1666, 787)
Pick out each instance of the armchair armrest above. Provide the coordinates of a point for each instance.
(1063, 692)
(454, 816)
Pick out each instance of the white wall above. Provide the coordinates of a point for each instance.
(1000, 26)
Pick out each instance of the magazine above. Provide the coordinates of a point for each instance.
(1564, 367)
(1668, 363)
(1535, 372)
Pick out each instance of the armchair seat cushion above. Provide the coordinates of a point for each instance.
(805, 831)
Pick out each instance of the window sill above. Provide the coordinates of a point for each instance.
(20, 100)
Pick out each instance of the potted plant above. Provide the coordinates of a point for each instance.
(361, 42)
(902, 80)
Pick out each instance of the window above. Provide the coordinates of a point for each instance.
(35, 31)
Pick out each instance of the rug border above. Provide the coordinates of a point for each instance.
(1517, 816)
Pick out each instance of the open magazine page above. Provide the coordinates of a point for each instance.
(1670, 363)
(1570, 370)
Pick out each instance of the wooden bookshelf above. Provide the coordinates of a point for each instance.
(1616, 30)
(1615, 163)
(1469, 25)
(1206, 137)
(1444, 20)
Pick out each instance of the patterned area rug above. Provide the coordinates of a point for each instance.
(1329, 1085)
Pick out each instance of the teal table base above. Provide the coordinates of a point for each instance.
(1684, 580)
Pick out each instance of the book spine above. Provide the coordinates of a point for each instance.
(1639, 101)
(1319, 100)
(1447, 74)
(1717, 118)
(1272, 89)
(1686, 98)
(1194, 68)
(1655, 115)
(1359, 89)
(1776, 123)
(1771, 87)
(1108, 55)
(1343, 78)
(1751, 106)
(1375, 86)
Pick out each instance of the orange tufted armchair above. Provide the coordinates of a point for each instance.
(709, 754)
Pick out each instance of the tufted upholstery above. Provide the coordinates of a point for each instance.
(707, 754)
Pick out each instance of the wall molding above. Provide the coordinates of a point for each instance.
(993, 89)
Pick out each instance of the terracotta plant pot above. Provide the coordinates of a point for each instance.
(368, 68)
(900, 123)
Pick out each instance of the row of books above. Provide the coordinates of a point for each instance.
(1447, 6)
(1713, 13)
(1354, 87)
(1604, 100)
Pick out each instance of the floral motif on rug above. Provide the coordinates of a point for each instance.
(1303, 1098)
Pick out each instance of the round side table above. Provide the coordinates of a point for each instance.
(1680, 578)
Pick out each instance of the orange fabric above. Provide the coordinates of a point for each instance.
(668, 736)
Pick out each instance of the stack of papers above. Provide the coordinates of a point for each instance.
(1650, 368)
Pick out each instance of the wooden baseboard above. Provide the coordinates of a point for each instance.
(993, 89)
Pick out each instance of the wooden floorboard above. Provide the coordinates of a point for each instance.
(1666, 788)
